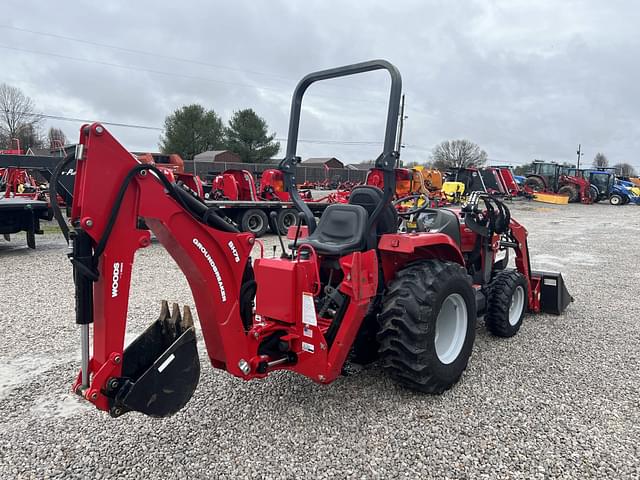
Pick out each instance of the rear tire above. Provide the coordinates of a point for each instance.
(428, 325)
(254, 221)
(535, 184)
(506, 304)
(615, 199)
(570, 191)
(595, 194)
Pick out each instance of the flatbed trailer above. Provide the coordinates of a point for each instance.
(254, 216)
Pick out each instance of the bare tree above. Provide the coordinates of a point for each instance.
(600, 160)
(625, 169)
(57, 138)
(458, 154)
(17, 118)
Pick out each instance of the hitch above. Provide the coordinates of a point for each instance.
(160, 368)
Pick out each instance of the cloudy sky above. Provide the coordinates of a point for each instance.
(523, 79)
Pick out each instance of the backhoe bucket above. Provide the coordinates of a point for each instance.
(160, 368)
(554, 297)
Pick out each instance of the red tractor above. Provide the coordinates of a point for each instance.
(549, 177)
(354, 288)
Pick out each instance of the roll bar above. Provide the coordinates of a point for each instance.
(386, 161)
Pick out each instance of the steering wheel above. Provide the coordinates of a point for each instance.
(416, 207)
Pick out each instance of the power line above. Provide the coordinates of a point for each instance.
(139, 69)
(180, 75)
(143, 52)
(148, 127)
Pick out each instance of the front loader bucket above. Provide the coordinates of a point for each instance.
(554, 297)
(160, 368)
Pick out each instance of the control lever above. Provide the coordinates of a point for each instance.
(273, 223)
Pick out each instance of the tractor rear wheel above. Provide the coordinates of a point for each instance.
(534, 183)
(615, 199)
(595, 193)
(507, 301)
(428, 325)
(254, 221)
(570, 191)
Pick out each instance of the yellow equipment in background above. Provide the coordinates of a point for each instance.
(454, 191)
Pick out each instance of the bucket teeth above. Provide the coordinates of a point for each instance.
(187, 319)
(164, 311)
(176, 317)
(175, 321)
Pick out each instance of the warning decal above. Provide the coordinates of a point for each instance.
(308, 309)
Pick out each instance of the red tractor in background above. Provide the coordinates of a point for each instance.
(351, 288)
(549, 177)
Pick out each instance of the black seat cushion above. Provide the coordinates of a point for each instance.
(440, 220)
(341, 230)
(370, 197)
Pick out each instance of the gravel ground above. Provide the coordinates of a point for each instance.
(558, 400)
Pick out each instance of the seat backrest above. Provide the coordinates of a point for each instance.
(440, 220)
(368, 197)
(341, 223)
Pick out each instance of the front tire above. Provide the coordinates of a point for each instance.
(428, 325)
(615, 199)
(571, 192)
(506, 303)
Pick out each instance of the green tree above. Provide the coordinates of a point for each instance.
(247, 135)
(458, 154)
(191, 130)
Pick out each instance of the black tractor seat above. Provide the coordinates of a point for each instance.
(440, 220)
(342, 230)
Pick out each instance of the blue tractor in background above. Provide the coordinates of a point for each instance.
(605, 185)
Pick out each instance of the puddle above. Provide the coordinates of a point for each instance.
(21, 370)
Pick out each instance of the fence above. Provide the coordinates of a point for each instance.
(208, 170)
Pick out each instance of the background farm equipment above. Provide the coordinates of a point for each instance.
(606, 186)
(548, 178)
(353, 287)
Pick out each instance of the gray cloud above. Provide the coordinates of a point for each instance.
(524, 80)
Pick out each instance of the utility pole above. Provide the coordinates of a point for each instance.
(402, 118)
(579, 152)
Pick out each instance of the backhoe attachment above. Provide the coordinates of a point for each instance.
(160, 368)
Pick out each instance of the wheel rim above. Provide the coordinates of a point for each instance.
(451, 328)
(615, 200)
(255, 223)
(517, 304)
